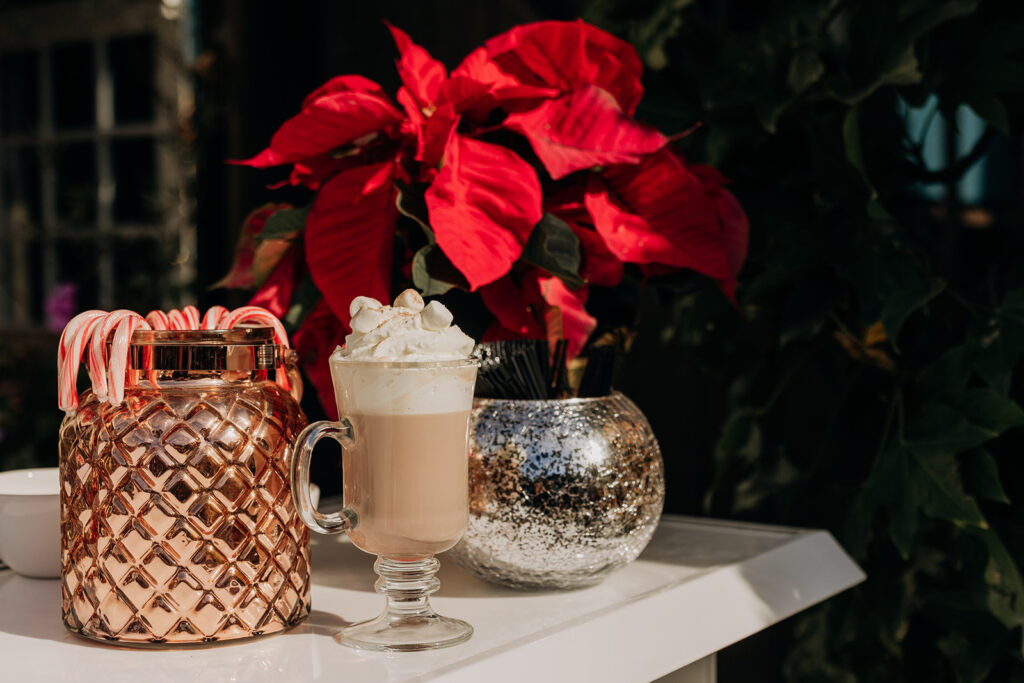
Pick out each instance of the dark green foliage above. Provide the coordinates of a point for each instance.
(554, 247)
(871, 371)
(284, 224)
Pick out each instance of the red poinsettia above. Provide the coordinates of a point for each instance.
(530, 228)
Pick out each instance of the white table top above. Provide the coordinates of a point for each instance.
(700, 586)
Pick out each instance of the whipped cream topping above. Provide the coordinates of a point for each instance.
(407, 331)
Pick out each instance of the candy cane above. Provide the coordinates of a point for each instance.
(88, 332)
(211, 320)
(261, 315)
(98, 352)
(179, 321)
(256, 314)
(73, 325)
(67, 373)
(79, 321)
(158, 320)
(192, 314)
(119, 354)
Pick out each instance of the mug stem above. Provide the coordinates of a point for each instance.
(407, 585)
(408, 623)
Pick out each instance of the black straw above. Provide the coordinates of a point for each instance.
(530, 369)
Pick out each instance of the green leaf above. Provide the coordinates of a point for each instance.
(805, 69)
(902, 304)
(410, 202)
(942, 491)
(991, 411)
(994, 359)
(1003, 76)
(1006, 587)
(433, 273)
(898, 64)
(306, 296)
(891, 487)
(937, 426)
(947, 374)
(992, 110)
(768, 112)
(904, 70)
(651, 34)
(764, 483)
(878, 212)
(737, 436)
(972, 658)
(857, 527)
(740, 442)
(1012, 305)
(806, 313)
(981, 476)
(554, 247)
(901, 69)
(936, 13)
(285, 224)
(854, 149)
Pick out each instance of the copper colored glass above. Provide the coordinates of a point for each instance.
(177, 522)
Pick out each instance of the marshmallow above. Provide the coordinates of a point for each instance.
(361, 302)
(411, 300)
(435, 316)
(366, 319)
(406, 331)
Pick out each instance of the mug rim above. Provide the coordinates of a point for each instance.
(11, 477)
(408, 364)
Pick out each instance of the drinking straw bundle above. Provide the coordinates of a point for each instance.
(513, 369)
(600, 370)
(530, 369)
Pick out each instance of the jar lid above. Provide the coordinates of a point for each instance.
(242, 348)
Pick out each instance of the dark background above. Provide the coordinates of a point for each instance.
(868, 381)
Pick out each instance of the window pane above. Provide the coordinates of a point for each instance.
(139, 268)
(76, 183)
(6, 286)
(19, 92)
(135, 172)
(19, 173)
(76, 264)
(131, 61)
(74, 86)
(35, 279)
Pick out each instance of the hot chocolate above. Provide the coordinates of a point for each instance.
(406, 478)
(404, 385)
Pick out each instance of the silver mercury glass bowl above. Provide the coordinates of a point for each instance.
(561, 492)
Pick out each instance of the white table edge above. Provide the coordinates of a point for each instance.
(811, 564)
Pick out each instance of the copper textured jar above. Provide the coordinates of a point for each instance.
(177, 522)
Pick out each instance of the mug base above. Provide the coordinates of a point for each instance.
(406, 633)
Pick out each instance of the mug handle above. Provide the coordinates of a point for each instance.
(335, 522)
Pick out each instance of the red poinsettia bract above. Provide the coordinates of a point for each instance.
(587, 170)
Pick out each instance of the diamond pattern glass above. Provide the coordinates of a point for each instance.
(177, 524)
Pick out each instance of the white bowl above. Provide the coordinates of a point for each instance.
(30, 521)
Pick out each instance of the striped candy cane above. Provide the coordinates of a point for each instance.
(87, 334)
(260, 315)
(211, 320)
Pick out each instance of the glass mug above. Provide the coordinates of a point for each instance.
(404, 432)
